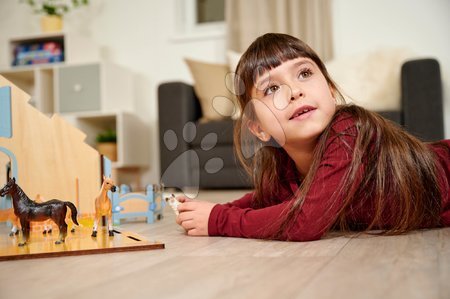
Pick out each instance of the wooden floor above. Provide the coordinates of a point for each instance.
(416, 265)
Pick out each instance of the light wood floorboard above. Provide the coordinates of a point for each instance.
(416, 265)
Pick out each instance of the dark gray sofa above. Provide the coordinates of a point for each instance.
(421, 114)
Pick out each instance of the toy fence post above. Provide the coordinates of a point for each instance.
(162, 202)
(115, 203)
(151, 204)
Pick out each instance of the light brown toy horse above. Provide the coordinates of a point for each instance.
(103, 206)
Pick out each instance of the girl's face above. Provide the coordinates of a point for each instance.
(293, 103)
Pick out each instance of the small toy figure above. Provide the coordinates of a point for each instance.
(27, 210)
(173, 202)
(103, 206)
(8, 215)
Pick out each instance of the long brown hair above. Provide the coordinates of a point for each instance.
(403, 168)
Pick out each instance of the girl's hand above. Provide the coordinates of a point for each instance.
(182, 198)
(194, 216)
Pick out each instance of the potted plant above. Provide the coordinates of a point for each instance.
(53, 10)
(107, 144)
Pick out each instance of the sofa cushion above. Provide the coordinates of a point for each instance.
(216, 100)
(372, 79)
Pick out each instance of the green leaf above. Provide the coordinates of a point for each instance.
(107, 136)
(54, 7)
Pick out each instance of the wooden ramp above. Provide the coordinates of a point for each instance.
(78, 243)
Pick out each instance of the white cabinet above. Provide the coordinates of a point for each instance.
(94, 96)
(93, 87)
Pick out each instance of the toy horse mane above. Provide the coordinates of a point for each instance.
(22, 195)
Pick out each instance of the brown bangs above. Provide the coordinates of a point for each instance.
(269, 55)
(268, 52)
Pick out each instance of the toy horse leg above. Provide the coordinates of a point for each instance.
(25, 231)
(14, 230)
(72, 230)
(110, 226)
(59, 217)
(47, 227)
(62, 232)
(94, 229)
(69, 220)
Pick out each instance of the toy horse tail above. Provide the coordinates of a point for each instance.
(73, 209)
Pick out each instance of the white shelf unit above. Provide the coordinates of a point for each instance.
(132, 135)
(38, 82)
(77, 88)
(93, 87)
(94, 96)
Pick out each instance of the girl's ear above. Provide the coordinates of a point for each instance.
(256, 130)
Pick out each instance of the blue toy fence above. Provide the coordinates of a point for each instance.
(155, 208)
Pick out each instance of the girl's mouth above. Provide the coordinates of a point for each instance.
(302, 113)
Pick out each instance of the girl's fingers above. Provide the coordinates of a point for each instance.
(183, 217)
(182, 198)
(193, 232)
(188, 225)
(186, 206)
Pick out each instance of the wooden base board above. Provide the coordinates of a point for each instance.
(78, 243)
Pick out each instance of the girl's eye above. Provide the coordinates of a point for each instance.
(305, 73)
(271, 89)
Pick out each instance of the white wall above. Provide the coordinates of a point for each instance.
(138, 34)
(418, 25)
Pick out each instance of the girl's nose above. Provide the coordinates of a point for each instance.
(296, 93)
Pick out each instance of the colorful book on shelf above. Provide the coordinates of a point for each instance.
(38, 53)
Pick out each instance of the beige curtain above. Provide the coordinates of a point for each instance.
(309, 20)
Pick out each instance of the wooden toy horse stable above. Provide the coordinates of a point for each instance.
(47, 156)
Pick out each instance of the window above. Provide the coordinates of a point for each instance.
(200, 18)
(210, 11)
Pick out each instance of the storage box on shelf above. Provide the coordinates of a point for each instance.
(44, 48)
(93, 87)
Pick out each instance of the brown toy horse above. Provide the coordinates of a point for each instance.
(28, 210)
(103, 206)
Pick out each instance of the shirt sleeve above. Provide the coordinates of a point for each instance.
(318, 213)
(243, 202)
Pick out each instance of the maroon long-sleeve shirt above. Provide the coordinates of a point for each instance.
(318, 213)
